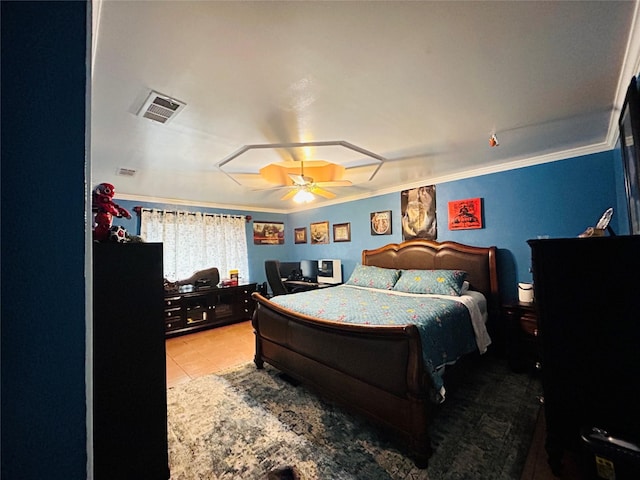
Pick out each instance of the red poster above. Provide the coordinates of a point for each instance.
(465, 214)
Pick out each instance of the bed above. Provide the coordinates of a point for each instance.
(378, 370)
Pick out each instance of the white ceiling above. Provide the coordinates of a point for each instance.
(422, 84)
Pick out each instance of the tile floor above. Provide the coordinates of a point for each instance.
(209, 351)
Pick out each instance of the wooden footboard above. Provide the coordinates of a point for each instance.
(376, 371)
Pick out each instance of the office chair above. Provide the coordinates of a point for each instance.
(272, 269)
(278, 287)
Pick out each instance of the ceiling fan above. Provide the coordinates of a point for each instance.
(305, 187)
(359, 164)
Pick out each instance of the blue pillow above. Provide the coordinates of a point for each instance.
(373, 277)
(439, 282)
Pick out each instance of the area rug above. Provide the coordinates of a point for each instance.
(243, 423)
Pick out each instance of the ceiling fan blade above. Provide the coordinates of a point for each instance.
(289, 194)
(300, 179)
(336, 183)
(323, 193)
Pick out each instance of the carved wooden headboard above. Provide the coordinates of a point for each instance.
(478, 262)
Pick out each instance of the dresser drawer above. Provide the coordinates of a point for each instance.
(529, 324)
(172, 313)
(170, 302)
(175, 323)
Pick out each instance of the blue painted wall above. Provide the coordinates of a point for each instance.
(43, 240)
(558, 199)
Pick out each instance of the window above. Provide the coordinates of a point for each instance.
(194, 241)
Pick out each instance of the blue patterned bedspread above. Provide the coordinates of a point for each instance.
(444, 324)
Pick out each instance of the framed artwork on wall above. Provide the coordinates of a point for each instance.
(319, 233)
(418, 207)
(268, 233)
(465, 214)
(342, 232)
(629, 124)
(381, 223)
(300, 235)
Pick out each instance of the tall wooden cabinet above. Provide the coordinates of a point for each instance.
(586, 292)
(129, 364)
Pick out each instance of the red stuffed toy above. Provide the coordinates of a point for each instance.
(105, 209)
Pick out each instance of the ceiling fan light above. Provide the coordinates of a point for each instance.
(303, 196)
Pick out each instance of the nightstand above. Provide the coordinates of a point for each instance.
(523, 343)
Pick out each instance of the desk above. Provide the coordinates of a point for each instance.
(301, 285)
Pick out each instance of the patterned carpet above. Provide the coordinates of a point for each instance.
(246, 422)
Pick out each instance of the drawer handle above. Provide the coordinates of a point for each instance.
(535, 332)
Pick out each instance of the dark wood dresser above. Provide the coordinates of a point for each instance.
(587, 300)
(129, 363)
(189, 312)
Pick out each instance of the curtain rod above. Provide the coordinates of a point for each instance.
(139, 210)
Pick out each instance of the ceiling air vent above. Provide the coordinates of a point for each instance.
(160, 108)
(126, 172)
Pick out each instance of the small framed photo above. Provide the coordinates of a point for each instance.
(342, 232)
(319, 233)
(300, 235)
(268, 233)
(381, 223)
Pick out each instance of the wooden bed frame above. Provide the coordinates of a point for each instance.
(377, 371)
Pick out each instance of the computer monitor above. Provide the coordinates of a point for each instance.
(289, 270)
(309, 269)
(329, 271)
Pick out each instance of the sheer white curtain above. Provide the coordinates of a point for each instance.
(195, 241)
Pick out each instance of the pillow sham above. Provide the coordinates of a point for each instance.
(373, 277)
(439, 282)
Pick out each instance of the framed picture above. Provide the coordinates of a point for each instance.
(465, 214)
(381, 223)
(629, 124)
(268, 233)
(300, 235)
(342, 232)
(319, 233)
(418, 207)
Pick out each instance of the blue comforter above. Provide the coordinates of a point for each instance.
(444, 324)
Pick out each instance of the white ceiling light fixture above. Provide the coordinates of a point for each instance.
(160, 108)
(303, 196)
